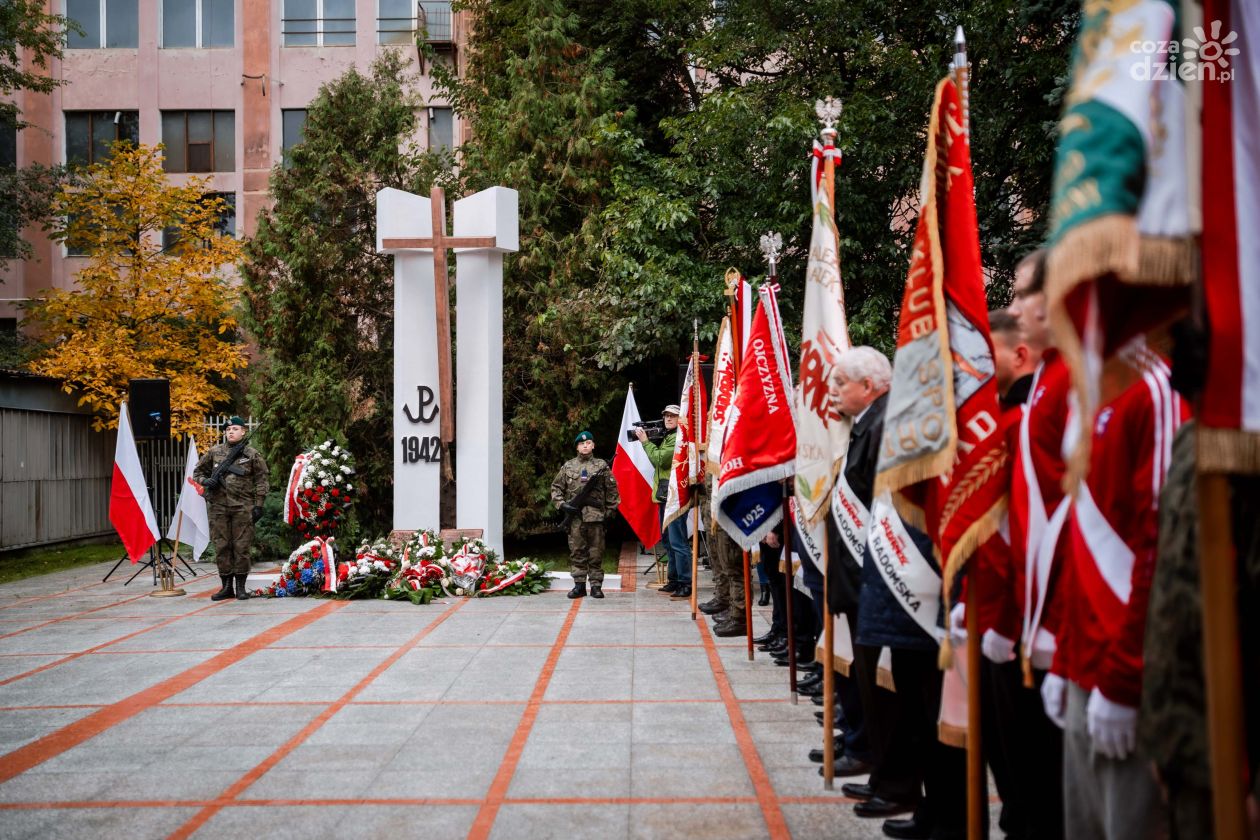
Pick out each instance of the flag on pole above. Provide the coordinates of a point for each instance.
(634, 475)
(760, 447)
(194, 530)
(943, 454)
(130, 511)
(741, 312)
(1121, 242)
(822, 433)
(1229, 417)
(687, 470)
(723, 396)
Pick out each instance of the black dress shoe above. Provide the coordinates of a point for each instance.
(816, 754)
(669, 587)
(877, 806)
(597, 590)
(911, 829)
(768, 636)
(857, 790)
(847, 765)
(713, 607)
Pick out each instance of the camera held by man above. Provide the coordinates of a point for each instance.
(654, 429)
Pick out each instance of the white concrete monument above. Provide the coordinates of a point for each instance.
(413, 228)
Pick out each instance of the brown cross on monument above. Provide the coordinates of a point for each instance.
(439, 242)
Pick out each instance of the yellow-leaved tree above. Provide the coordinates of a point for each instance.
(154, 299)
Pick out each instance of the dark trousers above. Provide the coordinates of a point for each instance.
(879, 723)
(915, 751)
(1025, 753)
(803, 629)
(856, 743)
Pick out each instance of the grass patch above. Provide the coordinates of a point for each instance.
(30, 562)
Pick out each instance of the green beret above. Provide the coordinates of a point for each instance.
(583, 436)
(234, 420)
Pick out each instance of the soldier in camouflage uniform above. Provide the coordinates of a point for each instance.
(234, 502)
(586, 525)
(728, 557)
(1172, 724)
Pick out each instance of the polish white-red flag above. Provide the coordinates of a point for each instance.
(635, 479)
(760, 448)
(723, 396)
(190, 524)
(1229, 414)
(687, 470)
(822, 433)
(130, 511)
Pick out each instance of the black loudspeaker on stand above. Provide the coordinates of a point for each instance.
(149, 409)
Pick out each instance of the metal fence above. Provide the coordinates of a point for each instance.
(55, 475)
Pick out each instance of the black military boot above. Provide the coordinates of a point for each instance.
(714, 606)
(242, 593)
(597, 590)
(730, 627)
(226, 592)
(578, 590)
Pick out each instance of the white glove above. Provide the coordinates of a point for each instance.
(958, 625)
(1054, 698)
(1112, 727)
(996, 647)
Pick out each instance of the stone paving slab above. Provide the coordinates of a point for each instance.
(506, 717)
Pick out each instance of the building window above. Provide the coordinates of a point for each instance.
(89, 134)
(318, 23)
(226, 226)
(441, 128)
(105, 23)
(199, 141)
(206, 24)
(292, 126)
(396, 21)
(8, 211)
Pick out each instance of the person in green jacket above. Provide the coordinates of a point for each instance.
(677, 547)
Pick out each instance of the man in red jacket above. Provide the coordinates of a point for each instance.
(1036, 493)
(1109, 791)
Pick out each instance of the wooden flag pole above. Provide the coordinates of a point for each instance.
(166, 571)
(697, 383)
(977, 819)
(828, 111)
(1222, 658)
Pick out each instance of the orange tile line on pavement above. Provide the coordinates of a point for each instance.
(72, 616)
(776, 823)
(627, 568)
(497, 793)
(216, 704)
(47, 595)
(71, 735)
(98, 648)
(244, 782)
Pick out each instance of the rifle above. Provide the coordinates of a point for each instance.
(579, 499)
(227, 465)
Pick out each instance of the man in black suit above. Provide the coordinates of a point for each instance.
(859, 389)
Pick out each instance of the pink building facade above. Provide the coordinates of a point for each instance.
(224, 83)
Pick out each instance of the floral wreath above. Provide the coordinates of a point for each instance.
(320, 490)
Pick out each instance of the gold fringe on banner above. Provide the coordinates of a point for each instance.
(1228, 451)
(951, 736)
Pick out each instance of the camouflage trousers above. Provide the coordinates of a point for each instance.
(586, 552)
(728, 573)
(232, 533)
